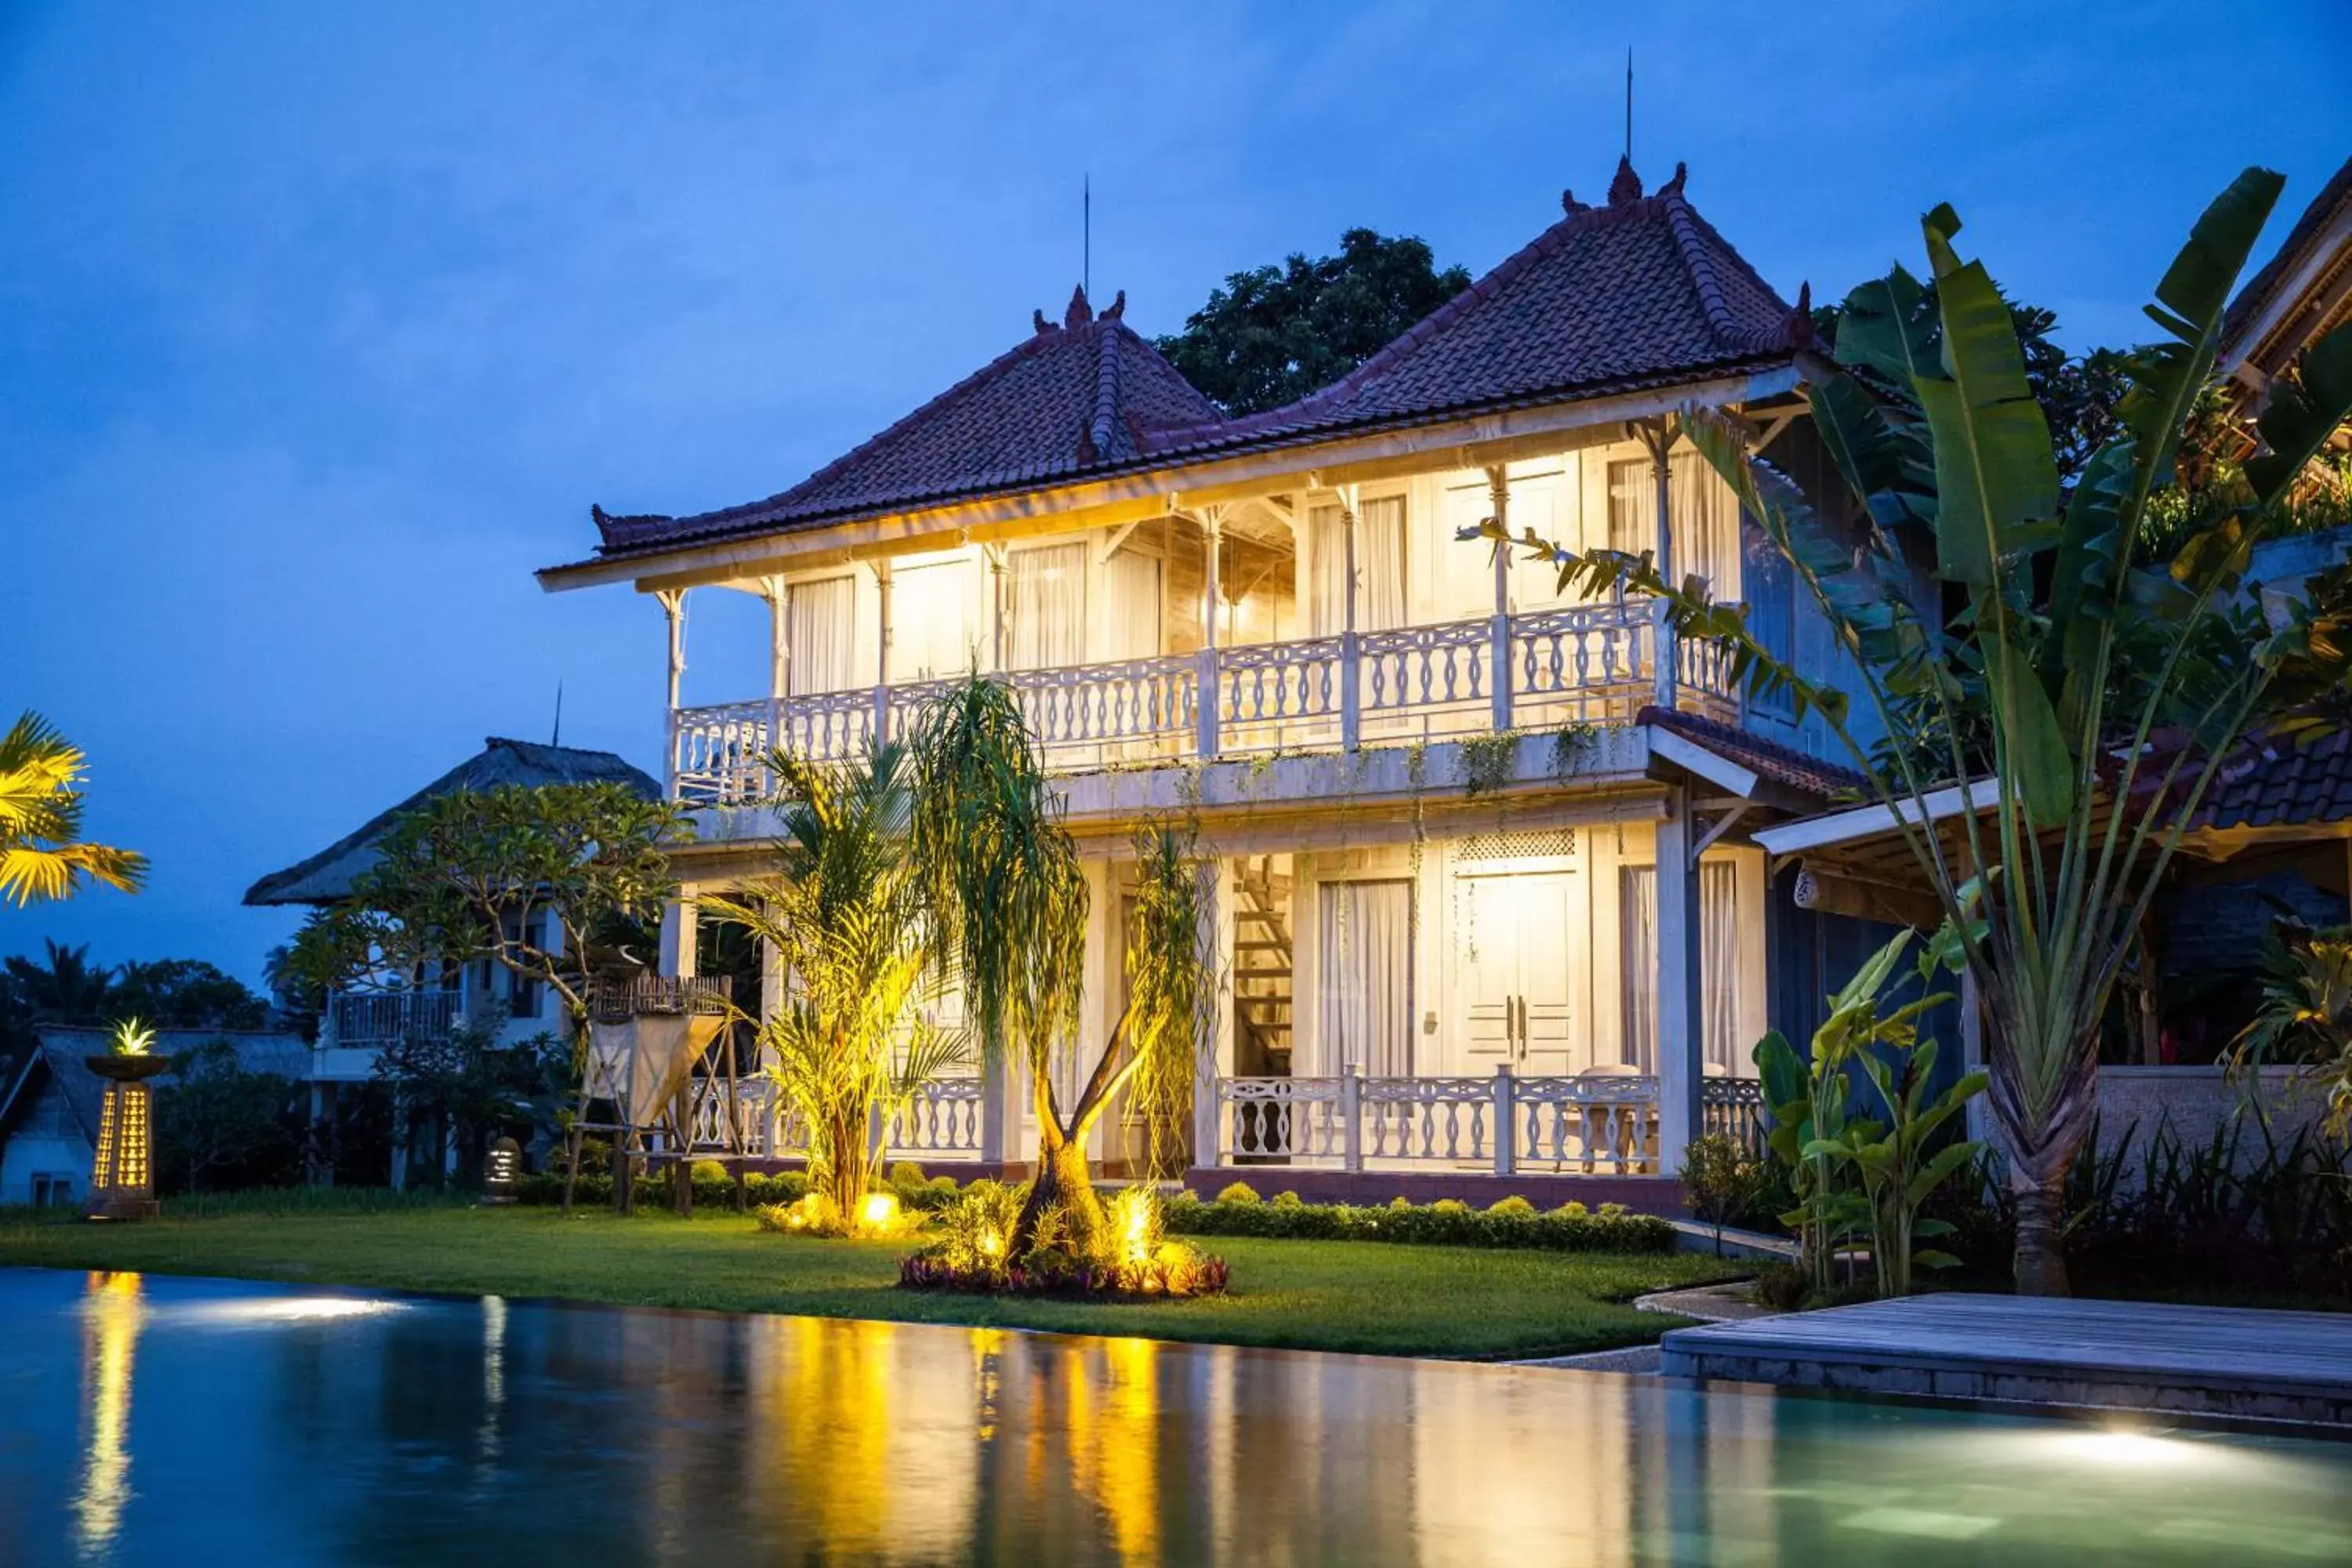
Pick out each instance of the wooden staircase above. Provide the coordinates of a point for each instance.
(1263, 969)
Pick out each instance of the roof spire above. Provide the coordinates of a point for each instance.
(1080, 312)
(1627, 186)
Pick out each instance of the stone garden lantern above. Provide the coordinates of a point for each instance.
(501, 1171)
(122, 1180)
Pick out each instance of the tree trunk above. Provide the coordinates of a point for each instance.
(1065, 1178)
(2041, 1243)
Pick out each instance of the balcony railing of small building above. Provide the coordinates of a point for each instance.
(1591, 1124)
(616, 999)
(362, 1020)
(1585, 663)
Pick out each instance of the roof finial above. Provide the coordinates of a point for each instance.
(1037, 319)
(1570, 206)
(1118, 307)
(1080, 312)
(1674, 187)
(1800, 320)
(1626, 186)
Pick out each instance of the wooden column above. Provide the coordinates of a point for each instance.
(673, 604)
(1212, 598)
(1499, 637)
(1658, 436)
(993, 554)
(1352, 685)
(780, 657)
(1681, 1044)
(678, 933)
(1214, 936)
(882, 656)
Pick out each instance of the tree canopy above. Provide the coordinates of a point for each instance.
(1272, 334)
(524, 875)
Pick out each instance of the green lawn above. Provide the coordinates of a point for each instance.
(1320, 1295)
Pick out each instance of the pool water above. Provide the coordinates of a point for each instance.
(188, 1422)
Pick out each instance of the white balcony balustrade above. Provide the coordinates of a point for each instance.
(1589, 663)
(1594, 1124)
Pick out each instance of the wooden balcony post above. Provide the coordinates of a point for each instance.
(1682, 1045)
(1213, 594)
(882, 659)
(1351, 1117)
(1506, 1148)
(1658, 436)
(1351, 684)
(673, 604)
(780, 657)
(1498, 638)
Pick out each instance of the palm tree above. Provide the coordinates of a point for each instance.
(2090, 702)
(845, 918)
(42, 855)
(1003, 881)
(66, 987)
(2305, 1016)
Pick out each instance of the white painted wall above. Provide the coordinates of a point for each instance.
(47, 1142)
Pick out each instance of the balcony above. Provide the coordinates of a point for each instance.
(1589, 663)
(371, 1020)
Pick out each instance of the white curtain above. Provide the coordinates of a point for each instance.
(817, 626)
(930, 621)
(1132, 581)
(1705, 516)
(1633, 507)
(1045, 608)
(1367, 977)
(1637, 961)
(1379, 567)
(1719, 963)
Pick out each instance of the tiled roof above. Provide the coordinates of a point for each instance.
(2284, 785)
(327, 876)
(2293, 253)
(1636, 294)
(1765, 759)
(1068, 399)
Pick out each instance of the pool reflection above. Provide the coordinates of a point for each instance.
(274, 1427)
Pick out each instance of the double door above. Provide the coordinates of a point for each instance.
(1520, 936)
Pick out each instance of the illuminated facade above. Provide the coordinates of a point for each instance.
(1439, 791)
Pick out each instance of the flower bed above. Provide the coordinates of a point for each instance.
(1179, 1271)
(1127, 1257)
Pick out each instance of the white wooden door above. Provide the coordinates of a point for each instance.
(1517, 976)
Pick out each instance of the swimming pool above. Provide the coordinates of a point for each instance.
(185, 1421)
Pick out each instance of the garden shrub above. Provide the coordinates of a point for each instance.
(1445, 1223)
(1239, 1193)
(1513, 1205)
(906, 1173)
(1399, 1202)
(1288, 1201)
(708, 1173)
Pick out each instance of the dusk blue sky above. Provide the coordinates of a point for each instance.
(321, 325)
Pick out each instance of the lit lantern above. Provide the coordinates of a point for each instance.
(122, 1180)
(500, 1170)
(878, 1212)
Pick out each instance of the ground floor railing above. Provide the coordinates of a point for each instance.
(942, 1122)
(1589, 1124)
(1585, 663)
(1505, 1123)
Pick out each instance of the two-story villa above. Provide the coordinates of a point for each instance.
(1488, 901)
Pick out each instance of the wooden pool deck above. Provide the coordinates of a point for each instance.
(2205, 1361)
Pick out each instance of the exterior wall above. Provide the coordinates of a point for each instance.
(2197, 1102)
(47, 1142)
(1449, 891)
